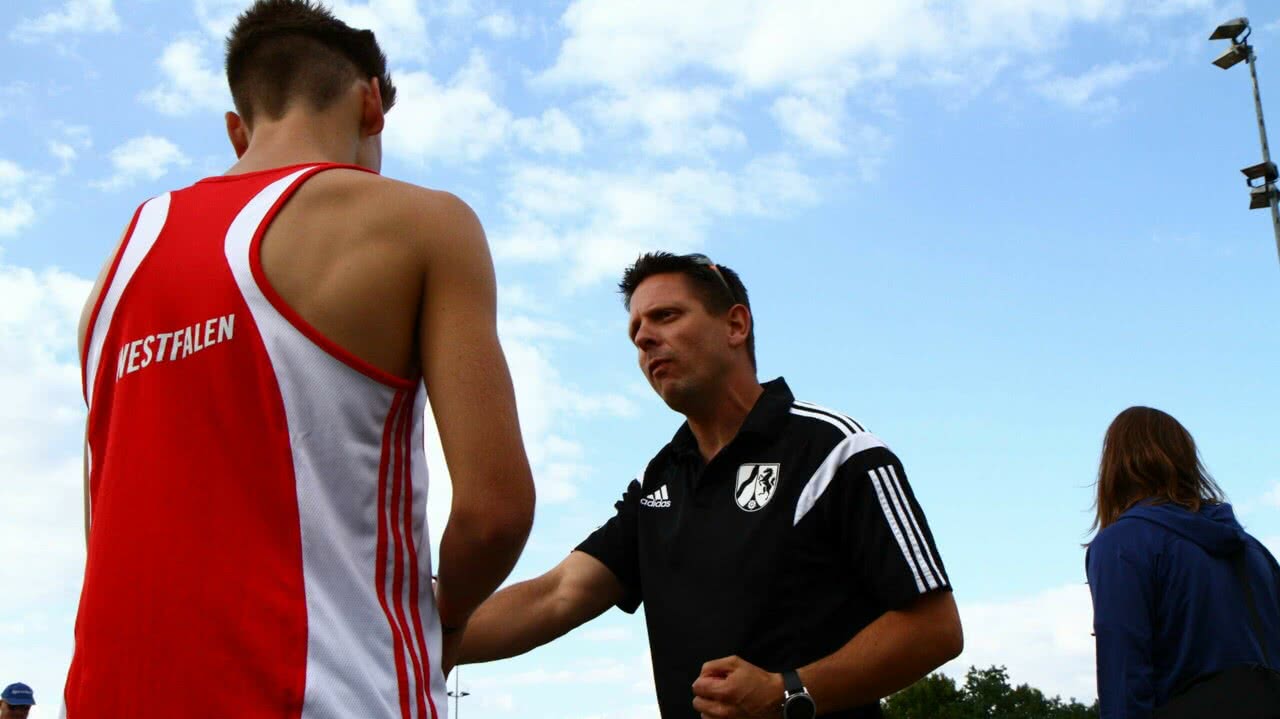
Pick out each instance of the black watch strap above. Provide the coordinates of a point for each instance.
(791, 682)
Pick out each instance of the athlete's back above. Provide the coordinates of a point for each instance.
(255, 358)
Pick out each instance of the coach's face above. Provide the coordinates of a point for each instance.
(683, 348)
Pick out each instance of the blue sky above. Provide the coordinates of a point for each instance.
(982, 227)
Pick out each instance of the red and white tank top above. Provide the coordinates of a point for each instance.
(258, 544)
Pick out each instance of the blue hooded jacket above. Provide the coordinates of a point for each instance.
(1167, 607)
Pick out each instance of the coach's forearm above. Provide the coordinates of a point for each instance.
(479, 548)
(513, 621)
(889, 655)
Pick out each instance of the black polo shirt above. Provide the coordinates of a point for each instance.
(797, 535)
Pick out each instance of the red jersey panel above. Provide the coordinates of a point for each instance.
(258, 541)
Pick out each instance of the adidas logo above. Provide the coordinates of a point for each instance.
(658, 499)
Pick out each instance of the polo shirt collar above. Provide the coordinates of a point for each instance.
(766, 417)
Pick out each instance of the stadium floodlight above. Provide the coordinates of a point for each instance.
(1234, 55)
(1261, 178)
(1265, 171)
(1231, 29)
(1260, 197)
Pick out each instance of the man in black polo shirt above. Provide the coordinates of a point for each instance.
(785, 566)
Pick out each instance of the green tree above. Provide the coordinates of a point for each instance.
(934, 697)
(985, 694)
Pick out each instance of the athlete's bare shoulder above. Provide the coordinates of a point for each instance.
(432, 220)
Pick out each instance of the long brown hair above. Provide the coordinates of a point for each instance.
(1148, 454)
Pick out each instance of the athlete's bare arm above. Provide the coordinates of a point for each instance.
(529, 614)
(82, 342)
(471, 394)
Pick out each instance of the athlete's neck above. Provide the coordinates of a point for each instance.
(295, 139)
(717, 423)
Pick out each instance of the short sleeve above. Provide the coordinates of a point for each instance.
(615, 545)
(880, 530)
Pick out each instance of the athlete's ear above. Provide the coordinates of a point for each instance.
(238, 133)
(372, 117)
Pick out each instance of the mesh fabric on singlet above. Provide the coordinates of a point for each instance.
(258, 543)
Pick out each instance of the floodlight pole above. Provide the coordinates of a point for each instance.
(1266, 152)
(457, 694)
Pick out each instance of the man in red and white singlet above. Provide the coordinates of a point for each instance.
(257, 358)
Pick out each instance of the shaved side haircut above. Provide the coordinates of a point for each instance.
(282, 52)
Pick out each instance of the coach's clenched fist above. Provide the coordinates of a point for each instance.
(733, 688)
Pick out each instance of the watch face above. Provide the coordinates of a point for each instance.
(799, 706)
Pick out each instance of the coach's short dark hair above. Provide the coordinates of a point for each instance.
(283, 51)
(718, 287)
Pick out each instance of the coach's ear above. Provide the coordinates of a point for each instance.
(238, 133)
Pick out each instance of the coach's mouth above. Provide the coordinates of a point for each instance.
(657, 364)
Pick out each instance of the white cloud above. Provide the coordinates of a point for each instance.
(753, 43)
(1044, 640)
(188, 84)
(399, 25)
(759, 45)
(500, 25)
(217, 16)
(41, 425)
(676, 121)
(18, 190)
(454, 9)
(599, 221)
(553, 132)
(142, 158)
(15, 216)
(458, 121)
(813, 53)
(815, 122)
(12, 177)
(75, 16)
(1087, 90)
(463, 121)
(67, 149)
(63, 152)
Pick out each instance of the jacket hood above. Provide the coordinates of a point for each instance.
(1214, 527)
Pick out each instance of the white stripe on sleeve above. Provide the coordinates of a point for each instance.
(915, 524)
(897, 532)
(905, 513)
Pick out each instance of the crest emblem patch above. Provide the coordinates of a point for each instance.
(755, 485)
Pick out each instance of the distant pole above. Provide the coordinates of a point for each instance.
(1266, 151)
(457, 693)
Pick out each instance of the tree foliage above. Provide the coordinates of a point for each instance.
(985, 694)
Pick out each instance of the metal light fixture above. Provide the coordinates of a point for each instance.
(1231, 29)
(1234, 55)
(1265, 171)
(1260, 197)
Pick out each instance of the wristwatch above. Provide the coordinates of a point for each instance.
(796, 702)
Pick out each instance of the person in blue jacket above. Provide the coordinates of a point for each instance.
(1167, 607)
